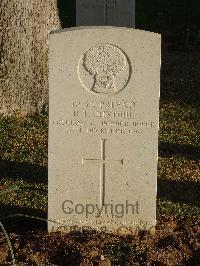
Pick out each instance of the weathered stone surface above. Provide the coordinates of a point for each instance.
(103, 128)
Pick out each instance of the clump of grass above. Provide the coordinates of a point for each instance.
(24, 139)
(122, 252)
(2, 192)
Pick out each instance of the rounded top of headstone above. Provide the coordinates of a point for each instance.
(102, 64)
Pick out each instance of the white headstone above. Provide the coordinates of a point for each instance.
(103, 128)
(105, 12)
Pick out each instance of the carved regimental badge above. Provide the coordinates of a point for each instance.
(104, 69)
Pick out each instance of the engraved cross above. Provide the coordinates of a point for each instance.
(102, 161)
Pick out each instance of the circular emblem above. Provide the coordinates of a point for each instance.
(104, 69)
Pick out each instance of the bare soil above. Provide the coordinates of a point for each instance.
(176, 242)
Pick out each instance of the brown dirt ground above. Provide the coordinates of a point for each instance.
(176, 242)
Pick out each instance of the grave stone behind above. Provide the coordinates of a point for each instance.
(105, 12)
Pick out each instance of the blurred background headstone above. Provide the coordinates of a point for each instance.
(105, 12)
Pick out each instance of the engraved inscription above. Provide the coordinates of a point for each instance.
(102, 162)
(104, 117)
(104, 69)
(111, 3)
(106, 104)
